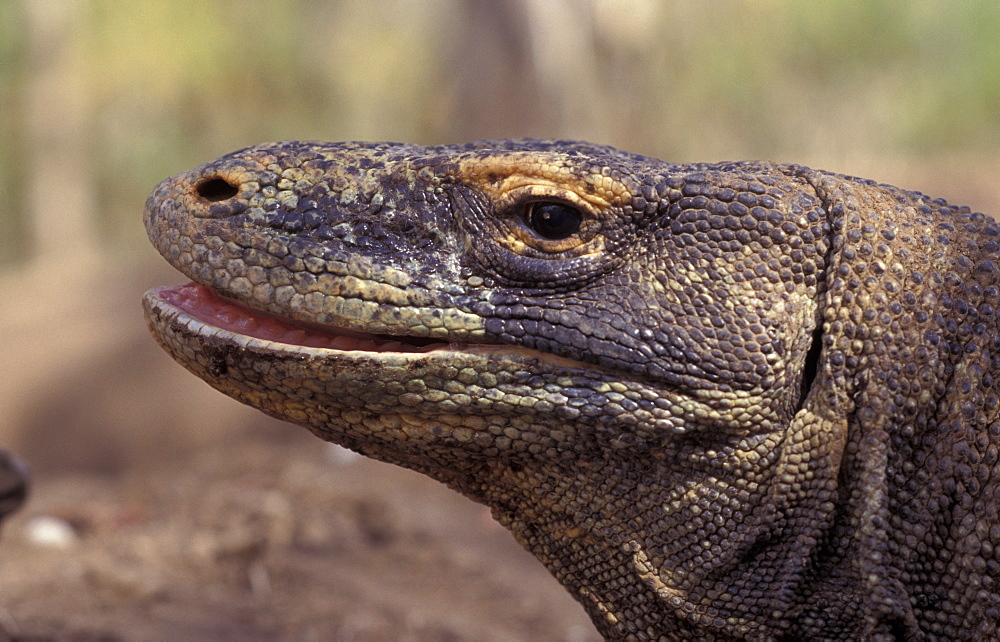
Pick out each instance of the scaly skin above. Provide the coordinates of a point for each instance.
(741, 400)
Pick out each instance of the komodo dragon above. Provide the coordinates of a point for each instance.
(736, 400)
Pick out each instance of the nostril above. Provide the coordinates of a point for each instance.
(216, 189)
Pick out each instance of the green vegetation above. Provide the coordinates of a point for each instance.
(123, 94)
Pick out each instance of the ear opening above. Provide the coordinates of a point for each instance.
(811, 366)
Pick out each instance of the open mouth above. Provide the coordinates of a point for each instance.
(209, 307)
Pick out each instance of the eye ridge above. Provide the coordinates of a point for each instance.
(553, 221)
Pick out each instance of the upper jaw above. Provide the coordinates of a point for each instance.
(335, 272)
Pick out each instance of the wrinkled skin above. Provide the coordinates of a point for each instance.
(741, 400)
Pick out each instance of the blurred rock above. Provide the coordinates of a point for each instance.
(13, 483)
(46, 531)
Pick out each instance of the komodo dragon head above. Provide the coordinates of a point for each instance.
(740, 400)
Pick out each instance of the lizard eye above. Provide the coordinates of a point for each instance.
(553, 221)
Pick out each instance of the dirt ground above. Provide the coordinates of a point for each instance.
(191, 517)
(269, 538)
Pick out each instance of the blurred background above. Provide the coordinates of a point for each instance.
(161, 507)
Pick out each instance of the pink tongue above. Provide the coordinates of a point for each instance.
(208, 307)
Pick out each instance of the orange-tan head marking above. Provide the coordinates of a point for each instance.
(507, 173)
(554, 206)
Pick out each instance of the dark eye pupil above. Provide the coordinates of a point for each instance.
(554, 221)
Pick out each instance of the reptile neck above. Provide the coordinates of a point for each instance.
(668, 567)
